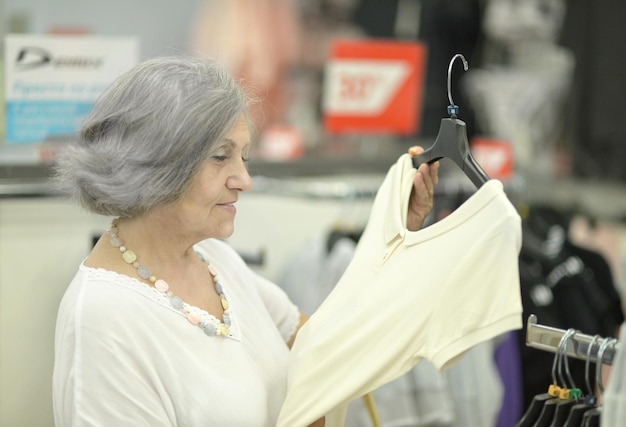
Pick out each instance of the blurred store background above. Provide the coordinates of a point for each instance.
(543, 101)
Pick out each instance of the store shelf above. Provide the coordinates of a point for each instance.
(605, 200)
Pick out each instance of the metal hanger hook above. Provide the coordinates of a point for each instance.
(587, 363)
(608, 342)
(560, 352)
(570, 334)
(465, 67)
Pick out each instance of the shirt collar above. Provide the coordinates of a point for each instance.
(400, 185)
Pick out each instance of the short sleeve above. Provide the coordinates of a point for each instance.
(285, 314)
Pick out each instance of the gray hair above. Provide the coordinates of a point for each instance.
(148, 134)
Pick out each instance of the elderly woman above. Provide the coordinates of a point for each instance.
(164, 324)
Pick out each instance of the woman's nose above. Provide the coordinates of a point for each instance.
(240, 179)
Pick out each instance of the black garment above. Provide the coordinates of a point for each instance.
(598, 277)
(566, 286)
(536, 299)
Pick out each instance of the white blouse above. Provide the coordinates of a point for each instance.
(125, 356)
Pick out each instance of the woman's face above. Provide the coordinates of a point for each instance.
(208, 209)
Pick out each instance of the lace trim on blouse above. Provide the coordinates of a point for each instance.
(158, 297)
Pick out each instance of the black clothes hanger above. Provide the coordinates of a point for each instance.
(565, 404)
(591, 418)
(534, 410)
(541, 410)
(451, 141)
(562, 412)
(547, 413)
(550, 408)
(576, 413)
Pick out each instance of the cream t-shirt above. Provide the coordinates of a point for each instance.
(406, 296)
(125, 357)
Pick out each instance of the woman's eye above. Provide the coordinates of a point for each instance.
(219, 158)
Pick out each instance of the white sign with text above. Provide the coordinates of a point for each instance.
(52, 81)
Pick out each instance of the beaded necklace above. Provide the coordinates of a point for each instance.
(209, 328)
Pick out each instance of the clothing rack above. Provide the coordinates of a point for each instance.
(547, 338)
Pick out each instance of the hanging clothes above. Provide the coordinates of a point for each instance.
(565, 285)
(476, 388)
(313, 270)
(406, 296)
(563, 403)
(601, 236)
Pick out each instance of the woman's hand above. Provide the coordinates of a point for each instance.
(423, 191)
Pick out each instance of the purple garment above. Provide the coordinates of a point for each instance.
(507, 357)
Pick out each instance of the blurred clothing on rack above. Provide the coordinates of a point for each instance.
(565, 286)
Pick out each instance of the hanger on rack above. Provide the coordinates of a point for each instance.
(451, 141)
(534, 410)
(547, 338)
(569, 394)
(591, 417)
(576, 412)
(573, 396)
(542, 409)
(585, 347)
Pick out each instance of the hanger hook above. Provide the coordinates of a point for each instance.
(556, 362)
(590, 399)
(453, 110)
(608, 342)
(571, 334)
(561, 353)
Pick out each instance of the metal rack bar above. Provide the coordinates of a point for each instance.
(547, 338)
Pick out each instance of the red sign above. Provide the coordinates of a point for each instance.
(374, 86)
(495, 156)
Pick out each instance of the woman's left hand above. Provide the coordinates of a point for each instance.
(423, 191)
